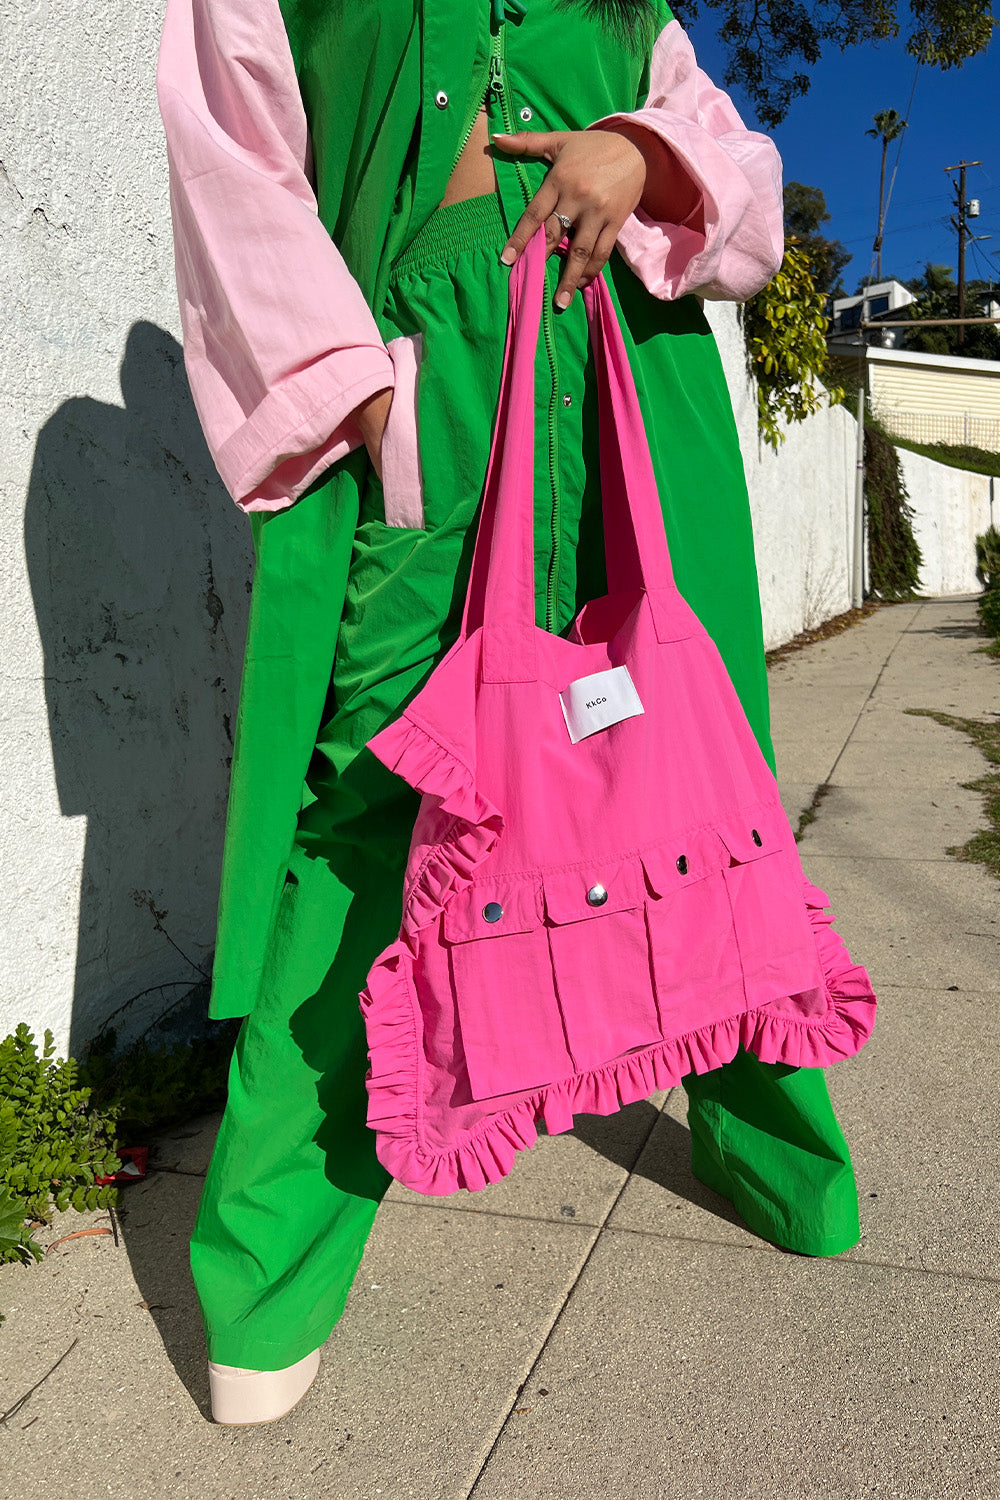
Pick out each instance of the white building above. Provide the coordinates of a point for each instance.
(883, 299)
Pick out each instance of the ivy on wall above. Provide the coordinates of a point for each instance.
(785, 331)
(893, 551)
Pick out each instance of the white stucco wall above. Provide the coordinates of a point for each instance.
(801, 499)
(124, 565)
(951, 507)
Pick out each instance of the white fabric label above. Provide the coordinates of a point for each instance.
(595, 702)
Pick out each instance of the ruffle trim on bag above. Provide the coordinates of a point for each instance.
(414, 754)
(846, 1026)
(487, 1154)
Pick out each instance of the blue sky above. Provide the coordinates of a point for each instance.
(955, 115)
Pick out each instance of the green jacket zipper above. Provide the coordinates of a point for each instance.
(498, 87)
(481, 95)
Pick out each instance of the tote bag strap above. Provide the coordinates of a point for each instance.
(635, 541)
(501, 594)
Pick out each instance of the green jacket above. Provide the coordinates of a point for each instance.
(388, 90)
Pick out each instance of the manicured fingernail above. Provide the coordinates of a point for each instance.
(562, 300)
(508, 255)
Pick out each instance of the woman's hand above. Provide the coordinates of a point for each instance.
(596, 179)
(371, 417)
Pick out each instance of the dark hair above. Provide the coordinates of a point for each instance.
(631, 22)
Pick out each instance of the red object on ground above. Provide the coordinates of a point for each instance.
(134, 1159)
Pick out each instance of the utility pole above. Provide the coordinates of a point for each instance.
(858, 558)
(960, 224)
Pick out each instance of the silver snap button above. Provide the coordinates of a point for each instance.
(493, 911)
(441, 99)
(526, 113)
(567, 400)
(597, 895)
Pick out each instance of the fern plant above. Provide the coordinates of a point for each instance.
(53, 1145)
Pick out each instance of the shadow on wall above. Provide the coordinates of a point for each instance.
(139, 568)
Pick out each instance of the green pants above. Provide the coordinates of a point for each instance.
(294, 1182)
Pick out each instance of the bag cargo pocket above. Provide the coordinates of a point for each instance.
(501, 977)
(696, 966)
(767, 896)
(600, 956)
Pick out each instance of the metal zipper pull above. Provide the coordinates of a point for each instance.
(495, 80)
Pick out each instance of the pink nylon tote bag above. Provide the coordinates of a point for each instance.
(603, 892)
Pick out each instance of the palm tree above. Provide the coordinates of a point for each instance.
(888, 124)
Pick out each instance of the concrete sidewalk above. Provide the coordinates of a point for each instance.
(600, 1325)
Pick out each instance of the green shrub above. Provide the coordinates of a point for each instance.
(52, 1143)
(989, 611)
(157, 1083)
(988, 558)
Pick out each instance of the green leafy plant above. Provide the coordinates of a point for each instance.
(53, 1144)
(785, 331)
(805, 214)
(988, 558)
(988, 573)
(893, 551)
(152, 1085)
(989, 612)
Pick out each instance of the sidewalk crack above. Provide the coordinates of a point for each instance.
(502, 1426)
(907, 630)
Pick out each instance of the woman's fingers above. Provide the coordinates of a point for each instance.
(555, 232)
(537, 212)
(589, 249)
(545, 144)
(595, 180)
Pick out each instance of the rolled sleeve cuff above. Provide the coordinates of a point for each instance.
(299, 430)
(741, 246)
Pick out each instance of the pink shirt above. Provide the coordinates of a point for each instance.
(279, 343)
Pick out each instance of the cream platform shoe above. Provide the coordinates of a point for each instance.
(241, 1397)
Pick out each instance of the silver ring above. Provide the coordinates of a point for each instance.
(566, 223)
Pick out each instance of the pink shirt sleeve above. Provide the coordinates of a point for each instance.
(279, 343)
(739, 174)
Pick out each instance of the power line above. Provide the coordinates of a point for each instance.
(980, 255)
(902, 229)
(902, 136)
(863, 213)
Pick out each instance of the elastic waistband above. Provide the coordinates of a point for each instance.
(472, 224)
